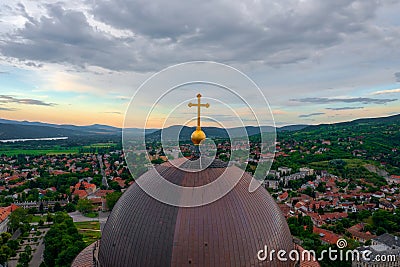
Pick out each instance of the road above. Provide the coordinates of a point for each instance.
(37, 256)
(104, 180)
(102, 219)
(78, 217)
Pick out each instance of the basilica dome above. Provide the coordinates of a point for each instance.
(142, 231)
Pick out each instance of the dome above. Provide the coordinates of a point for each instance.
(142, 231)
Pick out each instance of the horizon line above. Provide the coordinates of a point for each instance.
(133, 127)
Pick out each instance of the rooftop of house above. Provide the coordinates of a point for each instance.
(388, 240)
(326, 235)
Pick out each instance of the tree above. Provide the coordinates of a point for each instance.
(70, 207)
(17, 218)
(62, 242)
(321, 187)
(13, 244)
(49, 217)
(57, 207)
(84, 206)
(41, 207)
(339, 228)
(5, 237)
(380, 231)
(24, 259)
(112, 199)
(320, 210)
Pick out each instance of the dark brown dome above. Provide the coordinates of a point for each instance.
(142, 231)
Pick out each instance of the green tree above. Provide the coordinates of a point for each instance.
(84, 206)
(57, 207)
(49, 217)
(112, 199)
(24, 259)
(17, 218)
(70, 207)
(62, 242)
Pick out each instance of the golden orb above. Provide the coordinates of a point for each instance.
(198, 136)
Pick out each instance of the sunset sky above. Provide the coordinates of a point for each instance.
(80, 62)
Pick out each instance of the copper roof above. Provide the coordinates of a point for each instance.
(142, 231)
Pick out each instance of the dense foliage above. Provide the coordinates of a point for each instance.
(112, 199)
(62, 242)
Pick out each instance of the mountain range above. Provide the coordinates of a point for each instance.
(185, 132)
(11, 129)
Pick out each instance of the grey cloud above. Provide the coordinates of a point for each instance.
(33, 64)
(26, 101)
(65, 36)
(311, 114)
(112, 112)
(364, 100)
(345, 108)
(397, 76)
(8, 109)
(167, 32)
(24, 13)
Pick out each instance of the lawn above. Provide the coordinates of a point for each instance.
(351, 163)
(89, 230)
(90, 236)
(91, 214)
(88, 225)
(35, 152)
(36, 218)
(101, 145)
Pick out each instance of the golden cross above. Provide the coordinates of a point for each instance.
(198, 105)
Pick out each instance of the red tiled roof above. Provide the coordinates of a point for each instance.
(299, 205)
(102, 192)
(326, 235)
(6, 211)
(333, 215)
(283, 196)
(85, 184)
(356, 231)
(120, 182)
(80, 193)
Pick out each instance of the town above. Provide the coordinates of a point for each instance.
(327, 189)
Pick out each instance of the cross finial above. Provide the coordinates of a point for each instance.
(198, 105)
(198, 135)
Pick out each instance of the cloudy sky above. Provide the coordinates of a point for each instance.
(316, 61)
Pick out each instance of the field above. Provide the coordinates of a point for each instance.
(350, 163)
(42, 148)
(37, 218)
(35, 152)
(100, 145)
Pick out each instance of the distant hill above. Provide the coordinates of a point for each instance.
(291, 128)
(17, 131)
(357, 122)
(375, 136)
(215, 132)
(10, 129)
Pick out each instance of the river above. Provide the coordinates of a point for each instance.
(33, 139)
